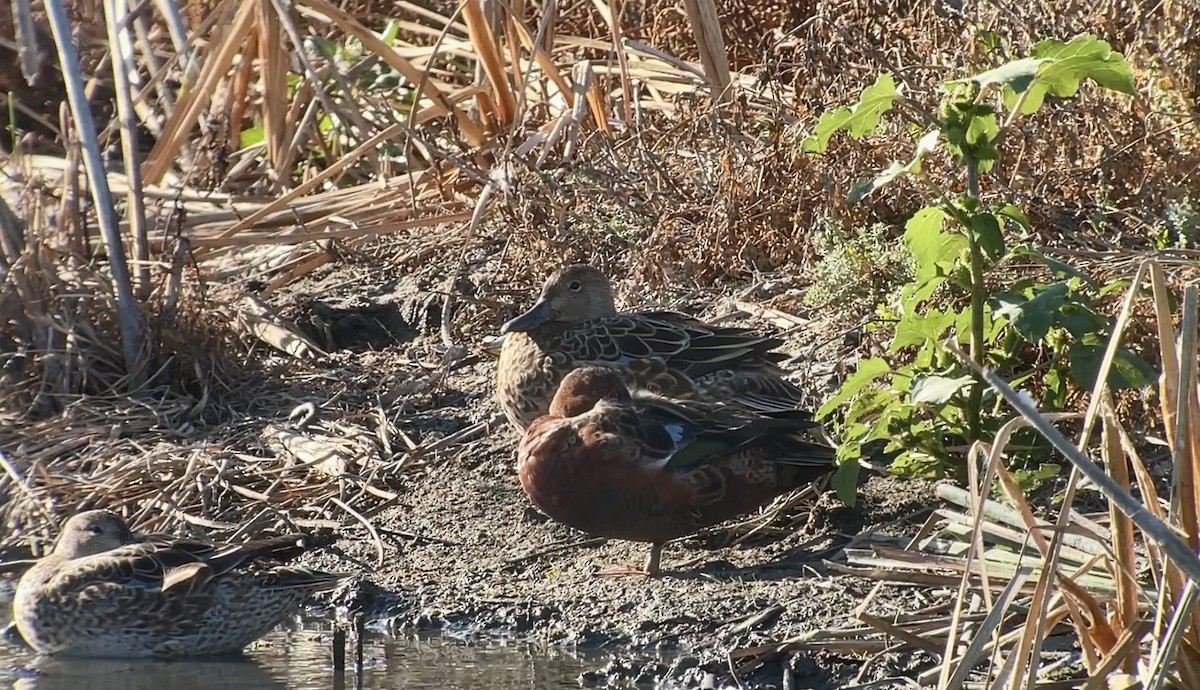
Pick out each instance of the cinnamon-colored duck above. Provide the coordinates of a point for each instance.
(575, 323)
(650, 469)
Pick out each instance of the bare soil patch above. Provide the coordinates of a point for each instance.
(463, 548)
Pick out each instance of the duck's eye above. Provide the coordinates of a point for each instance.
(96, 529)
(574, 286)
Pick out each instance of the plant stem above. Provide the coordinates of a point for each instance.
(978, 292)
(132, 337)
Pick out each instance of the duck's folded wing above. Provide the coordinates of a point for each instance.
(701, 349)
(135, 586)
(163, 584)
(622, 339)
(707, 433)
(685, 342)
(139, 566)
(273, 550)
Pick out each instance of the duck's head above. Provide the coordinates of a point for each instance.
(92, 532)
(572, 295)
(582, 388)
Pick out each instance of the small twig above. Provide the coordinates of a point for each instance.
(555, 548)
(379, 549)
(360, 632)
(339, 657)
(251, 525)
(413, 536)
(885, 683)
(733, 672)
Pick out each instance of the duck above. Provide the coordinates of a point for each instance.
(647, 468)
(575, 323)
(105, 592)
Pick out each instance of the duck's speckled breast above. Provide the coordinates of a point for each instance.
(526, 380)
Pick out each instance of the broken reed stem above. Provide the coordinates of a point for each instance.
(1176, 548)
(1184, 446)
(132, 337)
(706, 24)
(1122, 529)
(484, 40)
(116, 13)
(23, 28)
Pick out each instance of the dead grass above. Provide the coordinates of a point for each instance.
(269, 169)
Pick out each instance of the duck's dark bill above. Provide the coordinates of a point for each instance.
(539, 314)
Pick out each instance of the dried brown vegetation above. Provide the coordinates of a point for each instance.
(458, 164)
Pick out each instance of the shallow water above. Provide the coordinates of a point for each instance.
(302, 659)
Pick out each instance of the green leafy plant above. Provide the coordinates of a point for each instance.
(916, 398)
(354, 83)
(1180, 227)
(858, 268)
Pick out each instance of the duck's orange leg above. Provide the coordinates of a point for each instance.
(650, 569)
(653, 559)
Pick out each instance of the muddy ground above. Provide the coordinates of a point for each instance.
(465, 550)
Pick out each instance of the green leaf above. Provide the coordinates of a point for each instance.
(934, 252)
(987, 233)
(868, 370)
(1017, 75)
(917, 329)
(897, 169)
(922, 233)
(981, 134)
(914, 293)
(993, 325)
(1064, 65)
(252, 136)
(893, 172)
(918, 464)
(938, 390)
(1112, 287)
(293, 82)
(988, 41)
(1032, 318)
(1056, 389)
(1080, 320)
(845, 482)
(1128, 370)
(1062, 270)
(859, 119)
(1014, 214)
(1083, 57)
(926, 145)
(1030, 479)
(390, 31)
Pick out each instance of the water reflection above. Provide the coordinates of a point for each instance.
(302, 659)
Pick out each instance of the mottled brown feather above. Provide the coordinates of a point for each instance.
(104, 592)
(575, 323)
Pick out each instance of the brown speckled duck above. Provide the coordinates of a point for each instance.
(575, 323)
(650, 469)
(105, 592)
